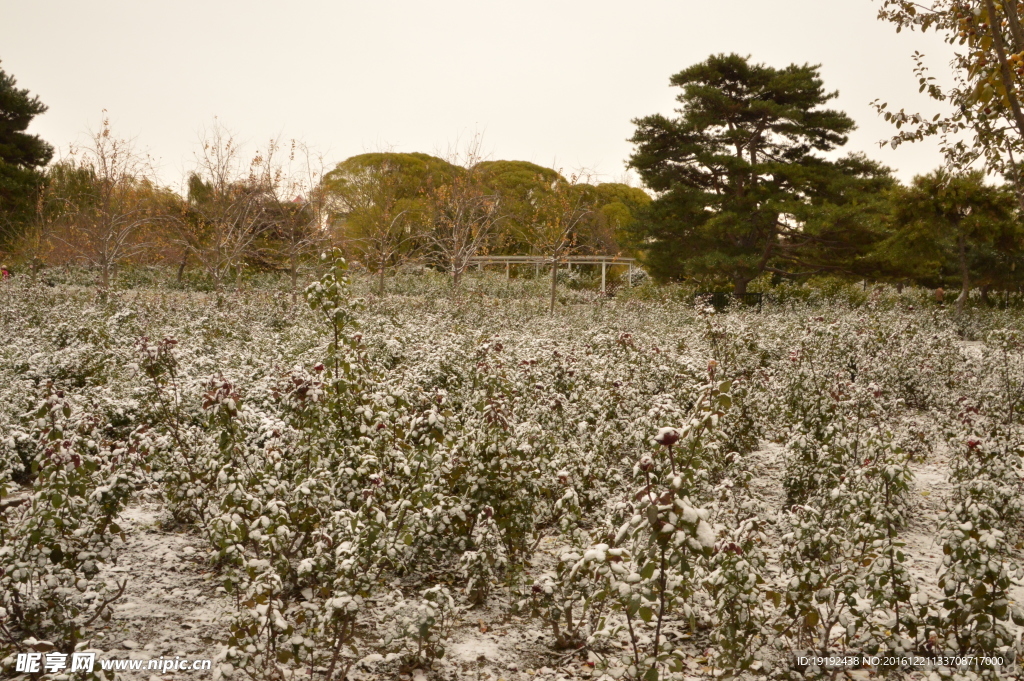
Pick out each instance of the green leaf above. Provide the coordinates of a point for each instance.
(811, 619)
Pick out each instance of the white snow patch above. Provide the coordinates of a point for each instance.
(472, 649)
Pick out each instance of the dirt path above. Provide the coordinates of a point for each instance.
(171, 606)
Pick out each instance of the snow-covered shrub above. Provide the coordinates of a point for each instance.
(982, 528)
(339, 460)
(739, 603)
(330, 298)
(742, 360)
(273, 636)
(651, 568)
(57, 531)
(634, 276)
(564, 602)
(844, 565)
(882, 501)
(977, 572)
(480, 566)
(1004, 357)
(418, 630)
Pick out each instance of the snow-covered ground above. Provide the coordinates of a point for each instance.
(172, 606)
(459, 411)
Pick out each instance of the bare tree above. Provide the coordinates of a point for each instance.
(390, 241)
(102, 196)
(297, 213)
(561, 212)
(464, 214)
(227, 209)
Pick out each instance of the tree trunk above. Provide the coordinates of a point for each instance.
(740, 286)
(381, 292)
(554, 283)
(965, 273)
(294, 274)
(181, 268)
(984, 295)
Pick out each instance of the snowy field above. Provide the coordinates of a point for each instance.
(423, 487)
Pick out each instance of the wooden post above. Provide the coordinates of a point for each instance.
(603, 264)
(536, 270)
(630, 280)
(508, 270)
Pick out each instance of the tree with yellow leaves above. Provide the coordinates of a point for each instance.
(987, 123)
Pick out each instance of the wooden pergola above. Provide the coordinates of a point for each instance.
(569, 260)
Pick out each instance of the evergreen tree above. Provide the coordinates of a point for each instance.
(953, 226)
(843, 220)
(22, 156)
(742, 182)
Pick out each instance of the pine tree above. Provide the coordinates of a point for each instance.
(22, 157)
(741, 175)
(954, 228)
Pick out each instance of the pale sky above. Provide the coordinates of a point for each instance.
(553, 82)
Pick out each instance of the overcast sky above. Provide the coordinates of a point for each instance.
(552, 82)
